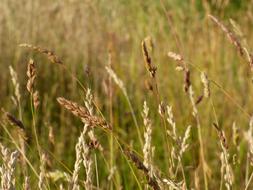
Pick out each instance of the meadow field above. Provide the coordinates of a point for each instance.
(126, 94)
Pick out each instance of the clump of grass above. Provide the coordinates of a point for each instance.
(7, 168)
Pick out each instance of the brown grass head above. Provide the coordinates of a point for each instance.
(146, 56)
(138, 163)
(231, 36)
(221, 135)
(82, 113)
(52, 57)
(31, 73)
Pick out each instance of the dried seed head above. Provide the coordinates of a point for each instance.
(175, 56)
(149, 85)
(179, 68)
(170, 119)
(184, 144)
(221, 135)
(187, 81)
(146, 56)
(231, 36)
(82, 113)
(191, 95)
(199, 99)
(31, 73)
(36, 100)
(42, 174)
(14, 121)
(147, 150)
(50, 54)
(51, 135)
(205, 82)
(161, 109)
(7, 168)
(14, 79)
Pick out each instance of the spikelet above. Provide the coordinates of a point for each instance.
(146, 45)
(36, 100)
(184, 145)
(50, 54)
(205, 81)
(187, 81)
(15, 83)
(87, 162)
(182, 66)
(191, 95)
(181, 144)
(74, 181)
(14, 121)
(175, 56)
(173, 185)
(31, 74)
(42, 174)
(226, 170)
(171, 121)
(221, 136)
(147, 149)
(51, 136)
(82, 156)
(94, 143)
(249, 57)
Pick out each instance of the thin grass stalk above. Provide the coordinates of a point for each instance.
(195, 114)
(122, 87)
(151, 68)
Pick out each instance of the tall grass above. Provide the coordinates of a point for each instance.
(74, 78)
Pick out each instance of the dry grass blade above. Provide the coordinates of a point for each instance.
(82, 113)
(231, 36)
(50, 54)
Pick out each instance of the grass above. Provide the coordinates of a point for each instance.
(126, 94)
